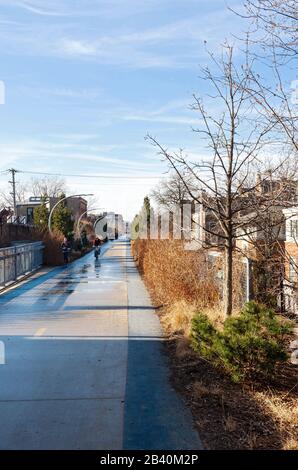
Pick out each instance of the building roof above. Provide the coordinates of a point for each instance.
(29, 203)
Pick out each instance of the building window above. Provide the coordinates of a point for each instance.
(293, 269)
(30, 212)
(294, 228)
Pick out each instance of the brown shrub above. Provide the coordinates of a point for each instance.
(53, 255)
(52, 251)
(175, 274)
(176, 319)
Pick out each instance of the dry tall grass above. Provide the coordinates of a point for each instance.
(53, 255)
(52, 245)
(180, 281)
(176, 274)
(284, 410)
(52, 252)
(177, 317)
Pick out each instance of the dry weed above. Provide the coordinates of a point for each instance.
(251, 441)
(215, 315)
(200, 390)
(230, 424)
(285, 412)
(291, 444)
(183, 349)
(175, 274)
(178, 317)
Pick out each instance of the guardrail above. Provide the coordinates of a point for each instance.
(18, 261)
(17, 220)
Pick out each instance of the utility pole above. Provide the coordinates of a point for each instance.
(13, 184)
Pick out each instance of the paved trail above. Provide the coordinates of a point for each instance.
(85, 367)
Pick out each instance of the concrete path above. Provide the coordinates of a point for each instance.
(84, 362)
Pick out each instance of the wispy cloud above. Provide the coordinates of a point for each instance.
(34, 7)
(172, 112)
(75, 47)
(71, 151)
(72, 93)
(169, 44)
(104, 8)
(174, 44)
(54, 8)
(162, 119)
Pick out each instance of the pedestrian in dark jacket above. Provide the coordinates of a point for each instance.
(97, 244)
(65, 250)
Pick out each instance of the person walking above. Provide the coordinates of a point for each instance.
(97, 244)
(65, 250)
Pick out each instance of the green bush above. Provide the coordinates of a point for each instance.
(203, 335)
(249, 344)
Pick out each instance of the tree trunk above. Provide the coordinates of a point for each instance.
(228, 279)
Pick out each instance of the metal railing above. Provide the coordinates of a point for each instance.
(17, 261)
(17, 220)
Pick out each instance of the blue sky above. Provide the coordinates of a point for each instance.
(86, 80)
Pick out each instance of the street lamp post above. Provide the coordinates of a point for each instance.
(78, 231)
(57, 204)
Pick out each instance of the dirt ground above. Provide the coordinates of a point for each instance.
(234, 416)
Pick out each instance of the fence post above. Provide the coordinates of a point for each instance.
(15, 264)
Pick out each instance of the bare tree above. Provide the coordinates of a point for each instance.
(47, 186)
(235, 134)
(6, 197)
(275, 104)
(39, 187)
(275, 28)
(277, 22)
(172, 192)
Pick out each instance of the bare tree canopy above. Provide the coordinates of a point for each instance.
(39, 187)
(173, 191)
(47, 186)
(6, 198)
(236, 135)
(278, 20)
(276, 106)
(276, 31)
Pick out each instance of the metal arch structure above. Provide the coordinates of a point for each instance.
(98, 220)
(57, 204)
(78, 231)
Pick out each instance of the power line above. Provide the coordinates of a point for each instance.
(89, 176)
